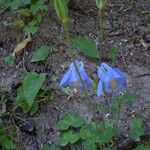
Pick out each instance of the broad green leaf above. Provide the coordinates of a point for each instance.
(137, 130)
(112, 53)
(41, 53)
(21, 102)
(88, 145)
(61, 10)
(10, 60)
(31, 86)
(86, 46)
(129, 97)
(34, 108)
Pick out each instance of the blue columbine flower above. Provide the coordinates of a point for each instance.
(72, 79)
(111, 79)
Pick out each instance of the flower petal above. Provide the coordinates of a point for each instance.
(99, 89)
(65, 79)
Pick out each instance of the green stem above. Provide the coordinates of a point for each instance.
(68, 41)
(116, 123)
(100, 29)
(71, 55)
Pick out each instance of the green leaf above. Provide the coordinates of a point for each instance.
(17, 23)
(41, 53)
(68, 137)
(116, 104)
(90, 132)
(106, 135)
(10, 60)
(112, 53)
(36, 7)
(17, 3)
(31, 86)
(20, 100)
(100, 3)
(129, 97)
(86, 46)
(34, 108)
(70, 120)
(143, 147)
(61, 10)
(76, 121)
(49, 147)
(88, 145)
(63, 125)
(24, 12)
(30, 28)
(137, 130)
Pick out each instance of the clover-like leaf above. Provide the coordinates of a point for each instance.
(76, 121)
(68, 137)
(63, 124)
(90, 132)
(106, 135)
(70, 120)
(86, 46)
(41, 53)
(88, 145)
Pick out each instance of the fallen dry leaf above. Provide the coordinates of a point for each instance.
(22, 45)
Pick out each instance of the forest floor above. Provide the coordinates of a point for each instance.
(126, 24)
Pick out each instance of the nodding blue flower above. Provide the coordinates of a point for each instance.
(72, 79)
(111, 79)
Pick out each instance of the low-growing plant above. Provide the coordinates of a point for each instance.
(41, 53)
(6, 142)
(30, 93)
(29, 14)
